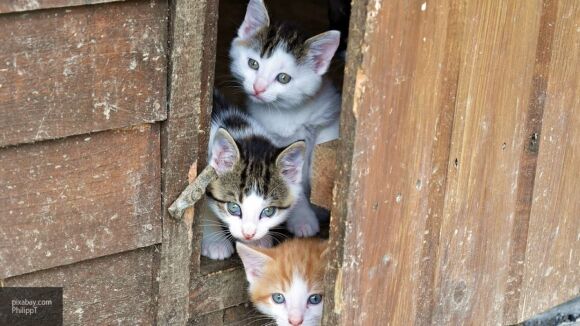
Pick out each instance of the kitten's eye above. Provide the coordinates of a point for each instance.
(268, 212)
(234, 209)
(278, 298)
(315, 299)
(283, 78)
(253, 64)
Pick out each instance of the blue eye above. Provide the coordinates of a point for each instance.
(283, 78)
(278, 298)
(253, 64)
(315, 299)
(268, 212)
(234, 209)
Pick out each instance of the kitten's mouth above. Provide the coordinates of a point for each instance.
(257, 98)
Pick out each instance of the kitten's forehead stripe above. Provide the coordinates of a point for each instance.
(284, 36)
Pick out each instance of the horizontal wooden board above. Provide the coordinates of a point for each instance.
(78, 198)
(217, 291)
(323, 174)
(7, 6)
(112, 290)
(71, 71)
(244, 314)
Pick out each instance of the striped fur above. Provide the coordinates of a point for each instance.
(260, 175)
(294, 269)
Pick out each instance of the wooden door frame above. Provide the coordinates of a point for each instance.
(184, 135)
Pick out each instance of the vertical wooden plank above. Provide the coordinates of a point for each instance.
(552, 258)
(528, 162)
(398, 103)
(183, 139)
(497, 64)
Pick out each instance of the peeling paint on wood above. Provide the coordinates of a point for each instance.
(72, 71)
(183, 143)
(78, 198)
(7, 6)
(112, 290)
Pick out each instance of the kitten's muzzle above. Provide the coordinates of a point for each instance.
(248, 235)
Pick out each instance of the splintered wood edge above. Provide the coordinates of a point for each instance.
(193, 192)
(323, 173)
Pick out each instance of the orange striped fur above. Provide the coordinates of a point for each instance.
(300, 257)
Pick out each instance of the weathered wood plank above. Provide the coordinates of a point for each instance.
(217, 291)
(398, 102)
(183, 139)
(497, 65)
(112, 290)
(323, 174)
(552, 258)
(528, 162)
(72, 71)
(7, 6)
(78, 198)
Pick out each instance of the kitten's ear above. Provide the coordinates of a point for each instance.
(224, 152)
(254, 261)
(256, 18)
(321, 49)
(291, 161)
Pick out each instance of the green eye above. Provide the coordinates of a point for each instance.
(283, 78)
(278, 298)
(253, 64)
(268, 212)
(234, 209)
(315, 299)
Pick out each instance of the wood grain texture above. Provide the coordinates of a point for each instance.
(528, 162)
(183, 142)
(488, 137)
(78, 198)
(112, 290)
(398, 103)
(72, 71)
(7, 6)
(552, 258)
(244, 314)
(217, 291)
(323, 174)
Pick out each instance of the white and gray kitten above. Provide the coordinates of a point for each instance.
(258, 182)
(282, 73)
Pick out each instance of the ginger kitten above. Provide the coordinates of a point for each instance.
(286, 282)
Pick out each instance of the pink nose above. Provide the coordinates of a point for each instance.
(295, 321)
(259, 89)
(249, 236)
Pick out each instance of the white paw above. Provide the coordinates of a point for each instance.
(303, 222)
(219, 249)
(265, 242)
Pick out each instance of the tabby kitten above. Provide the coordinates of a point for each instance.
(258, 182)
(286, 281)
(282, 73)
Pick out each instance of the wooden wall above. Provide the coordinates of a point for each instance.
(458, 194)
(82, 89)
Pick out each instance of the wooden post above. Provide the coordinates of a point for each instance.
(183, 141)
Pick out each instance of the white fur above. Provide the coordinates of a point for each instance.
(296, 305)
(215, 243)
(307, 108)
